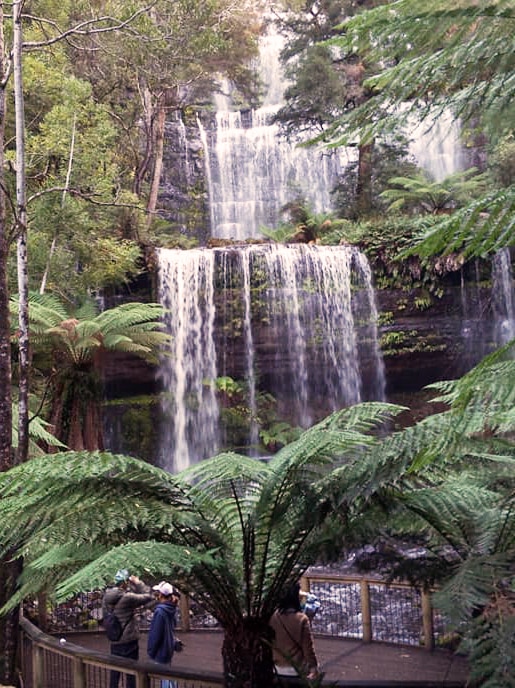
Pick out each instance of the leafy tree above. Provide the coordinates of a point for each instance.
(70, 349)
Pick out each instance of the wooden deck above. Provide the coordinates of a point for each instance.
(349, 662)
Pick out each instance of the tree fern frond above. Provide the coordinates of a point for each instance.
(129, 315)
(491, 649)
(471, 586)
(479, 229)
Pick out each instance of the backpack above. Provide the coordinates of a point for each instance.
(112, 625)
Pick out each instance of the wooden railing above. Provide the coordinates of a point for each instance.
(46, 662)
(353, 603)
(397, 602)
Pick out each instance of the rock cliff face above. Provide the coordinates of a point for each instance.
(183, 197)
(424, 344)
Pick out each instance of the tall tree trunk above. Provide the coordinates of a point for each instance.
(148, 119)
(8, 569)
(21, 223)
(5, 333)
(247, 655)
(158, 146)
(63, 199)
(364, 185)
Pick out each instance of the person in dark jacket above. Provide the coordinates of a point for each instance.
(128, 594)
(161, 636)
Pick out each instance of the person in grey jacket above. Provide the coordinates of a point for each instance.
(128, 594)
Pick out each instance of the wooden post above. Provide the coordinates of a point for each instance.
(142, 680)
(37, 666)
(427, 620)
(366, 613)
(184, 606)
(304, 584)
(79, 673)
(42, 611)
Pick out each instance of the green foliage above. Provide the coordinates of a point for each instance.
(70, 349)
(39, 433)
(388, 159)
(421, 192)
(318, 93)
(303, 225)
(278, 435)
(439, 58)
(388, 245)
(502, 161)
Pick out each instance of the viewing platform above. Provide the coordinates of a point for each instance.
(370, 634)
(83, 661)
(347, 662)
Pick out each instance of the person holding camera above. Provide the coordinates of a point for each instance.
(162, 642)
(123, 599)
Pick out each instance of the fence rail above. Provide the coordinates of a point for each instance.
(363, 608)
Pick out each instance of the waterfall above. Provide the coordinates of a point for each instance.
(293, 324)
(253, 172)
(188, 369)
(503, 297)
(435, 144)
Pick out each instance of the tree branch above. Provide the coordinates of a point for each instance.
(86, 28)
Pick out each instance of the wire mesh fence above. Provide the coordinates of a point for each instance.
(391, 613)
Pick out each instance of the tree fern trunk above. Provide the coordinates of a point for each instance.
(247, 655)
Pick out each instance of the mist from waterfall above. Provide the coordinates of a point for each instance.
(298, 323)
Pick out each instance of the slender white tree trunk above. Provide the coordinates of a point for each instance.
(21, 224)
(63, 199)
(158, 145)
(5, 334)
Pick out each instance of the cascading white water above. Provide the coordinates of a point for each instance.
(436, 146)
(254, 171)
(295, 322)
(188, 369)
(503, 296)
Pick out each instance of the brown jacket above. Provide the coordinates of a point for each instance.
(293, 644)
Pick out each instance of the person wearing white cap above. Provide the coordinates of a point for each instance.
(161, 637)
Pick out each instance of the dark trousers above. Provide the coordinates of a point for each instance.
(129, 650)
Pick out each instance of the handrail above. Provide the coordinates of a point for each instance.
(47, 661)
(365, 584)
(39, 651)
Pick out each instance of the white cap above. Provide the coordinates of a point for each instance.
(165, 589)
